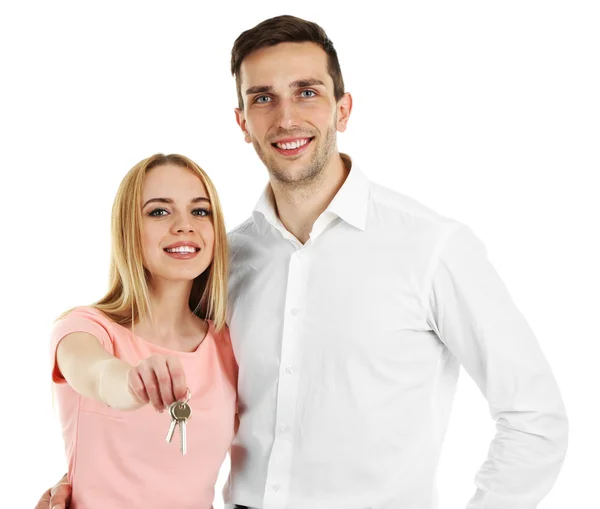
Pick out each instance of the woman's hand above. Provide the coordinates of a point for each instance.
(159, 380)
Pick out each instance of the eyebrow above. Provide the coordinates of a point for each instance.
(263, 89)
(170, 201)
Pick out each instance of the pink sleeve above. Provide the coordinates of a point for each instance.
(82, 319)
(228, 357)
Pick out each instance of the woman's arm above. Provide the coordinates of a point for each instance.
(91, 371)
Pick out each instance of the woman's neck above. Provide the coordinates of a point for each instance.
(171, 323)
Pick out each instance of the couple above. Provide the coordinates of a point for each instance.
(328, 366)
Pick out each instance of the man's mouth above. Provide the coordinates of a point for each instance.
(293, 146)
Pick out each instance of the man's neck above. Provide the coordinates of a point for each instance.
(299, 207)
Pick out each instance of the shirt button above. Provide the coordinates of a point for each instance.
(276, 487)
(293, 311)
(283, 428)
(289, 370)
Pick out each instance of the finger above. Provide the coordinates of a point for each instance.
(165, 385)
(60, 494)
(151, 385)
(44, 502)
(136, 385)
(178, 380)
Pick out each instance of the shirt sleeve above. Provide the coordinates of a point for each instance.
(473, 315)
(79, 320)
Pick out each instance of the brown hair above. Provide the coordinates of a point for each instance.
(280, 29)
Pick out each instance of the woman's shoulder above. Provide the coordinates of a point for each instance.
(226, 353)
(86, 319)
(221, 335)
(222, 340)
(86, 313)
(79, 313)
(90, 319)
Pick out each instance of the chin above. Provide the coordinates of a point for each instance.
(294, 175)
(181, 276)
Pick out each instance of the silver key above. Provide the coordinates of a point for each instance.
(183, 436)
(181, 412)
(171, 427)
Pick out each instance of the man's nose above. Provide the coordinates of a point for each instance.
(288, 115)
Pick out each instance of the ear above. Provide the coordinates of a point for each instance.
(241, 120)
(344, 108)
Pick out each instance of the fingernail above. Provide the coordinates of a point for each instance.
(56, 507)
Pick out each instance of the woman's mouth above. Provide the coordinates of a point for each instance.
(183, 252)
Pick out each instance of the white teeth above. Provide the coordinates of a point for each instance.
(182, 249)
(292, 145)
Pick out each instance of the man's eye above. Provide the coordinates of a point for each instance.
(262, 99)
(158, 212)
(201, 212)
(308, 93)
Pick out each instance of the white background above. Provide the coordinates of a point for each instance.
(488, 112)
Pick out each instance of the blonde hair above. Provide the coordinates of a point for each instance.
(127, 299)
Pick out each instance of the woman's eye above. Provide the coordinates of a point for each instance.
(201, 212)
(158, 212)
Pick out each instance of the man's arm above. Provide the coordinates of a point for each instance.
(57, 497)
(473, 314)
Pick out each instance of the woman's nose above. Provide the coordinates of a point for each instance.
(182, 225)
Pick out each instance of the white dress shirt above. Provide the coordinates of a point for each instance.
(349, 349)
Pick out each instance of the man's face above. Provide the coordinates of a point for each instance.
(290, 113)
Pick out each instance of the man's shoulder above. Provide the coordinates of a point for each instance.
(407, 209)
(241, 229)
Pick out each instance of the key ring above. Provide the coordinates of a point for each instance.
(188, 395)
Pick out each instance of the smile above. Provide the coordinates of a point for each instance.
(182, 249)
(292, 147)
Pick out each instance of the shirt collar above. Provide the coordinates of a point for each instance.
(350, 203)
(265, 208)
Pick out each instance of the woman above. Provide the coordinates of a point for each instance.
(158, 336)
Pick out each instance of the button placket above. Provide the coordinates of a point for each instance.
(280, 459)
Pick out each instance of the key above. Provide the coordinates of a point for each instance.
(174, 422)
(172, 426)
(181, 412)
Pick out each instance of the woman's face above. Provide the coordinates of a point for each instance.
(177, 232)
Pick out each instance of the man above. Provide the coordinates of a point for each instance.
(351, 309)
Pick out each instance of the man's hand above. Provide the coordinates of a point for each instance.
(58, 497)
